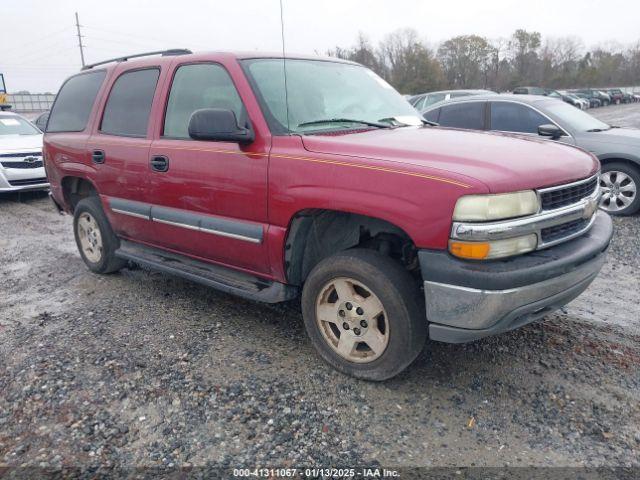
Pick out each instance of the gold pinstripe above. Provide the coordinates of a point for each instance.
(319, 160)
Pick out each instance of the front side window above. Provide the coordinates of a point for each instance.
(71, 110)
(199, 86)
(513, 117)
(15, 125)
(129, 104)
(463, 115)
(318, 92)
(432, 115)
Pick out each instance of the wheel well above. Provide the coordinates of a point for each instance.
(316, 234)
(75, 189)
(631, 163)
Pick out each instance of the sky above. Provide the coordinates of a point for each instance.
(39, 47)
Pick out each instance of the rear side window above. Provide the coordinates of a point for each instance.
(513, 117)
(71, 110)
(463, 115)
(129, 105)
(199, 86)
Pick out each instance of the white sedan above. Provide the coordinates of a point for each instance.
(21, 165)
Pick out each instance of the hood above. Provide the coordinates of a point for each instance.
(20, 143)
(502, 162)
(618, 136)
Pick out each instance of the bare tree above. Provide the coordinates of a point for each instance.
(466, 61)
(472, 61)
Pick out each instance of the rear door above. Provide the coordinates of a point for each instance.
(119, 150)
(469, 115)
(209, 197)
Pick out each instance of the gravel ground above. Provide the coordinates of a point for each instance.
(140, 369)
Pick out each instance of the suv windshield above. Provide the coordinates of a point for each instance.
(575, 119)
(324, 95)
(14, 125)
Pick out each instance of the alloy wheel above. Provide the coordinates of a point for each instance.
(352, 320)
(90, 237)
(618, 190)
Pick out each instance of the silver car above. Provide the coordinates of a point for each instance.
(21, 165)
(617, 148)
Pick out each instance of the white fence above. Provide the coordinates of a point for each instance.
(30, 102)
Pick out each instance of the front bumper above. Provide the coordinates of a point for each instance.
(470, 300)
(14, 180)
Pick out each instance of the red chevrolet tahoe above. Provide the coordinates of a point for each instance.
(322, 182)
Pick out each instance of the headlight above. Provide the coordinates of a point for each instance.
(493, 249)
(482, 208)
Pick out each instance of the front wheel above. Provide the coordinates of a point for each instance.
(619, 183)
(364, 314)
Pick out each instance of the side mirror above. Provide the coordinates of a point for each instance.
(218, 124)
(550, 130)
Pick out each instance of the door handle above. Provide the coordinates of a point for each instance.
(97, 156)
(159, 163)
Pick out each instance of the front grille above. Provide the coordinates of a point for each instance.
(20, 155)
(564, 196)
(27, 181)
(551, 234)
(36, 164)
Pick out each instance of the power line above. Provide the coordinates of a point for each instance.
(43, 53)
(36, 41)
(145, 38)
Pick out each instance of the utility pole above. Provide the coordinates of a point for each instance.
(79, 39)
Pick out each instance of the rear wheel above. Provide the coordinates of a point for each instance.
(363, 313)
(95, 239)
(619, 183)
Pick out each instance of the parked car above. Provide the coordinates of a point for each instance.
(41, 120)
(627, 97)
(571, 99)
(618, 149)
(604, 97)
(529, 91)
(201, 166)
(423, 100)
(616, 95)
(21, 165)
(593, 101)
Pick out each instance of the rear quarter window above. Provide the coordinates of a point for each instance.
(72, 107)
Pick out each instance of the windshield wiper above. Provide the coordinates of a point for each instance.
(430, 123)
(598, 130)
(344, 120)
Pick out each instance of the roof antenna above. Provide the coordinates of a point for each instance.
(284, 67)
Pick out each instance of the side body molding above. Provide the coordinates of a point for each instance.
(236, 229)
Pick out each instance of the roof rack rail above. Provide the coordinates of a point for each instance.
(164, 53)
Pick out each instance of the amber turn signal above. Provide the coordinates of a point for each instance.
(472, 250)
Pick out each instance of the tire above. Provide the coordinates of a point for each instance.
(94, 237)
(402, 321)
(612, 174)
